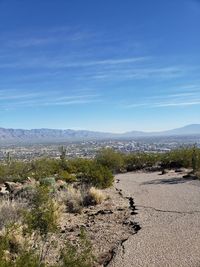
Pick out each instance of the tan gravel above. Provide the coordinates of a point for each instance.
(169, 216)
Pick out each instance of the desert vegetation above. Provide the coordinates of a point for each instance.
(26, 235)
(34, 197)
(36, 194)
(99, 171)
(82, 170)
(179, 158)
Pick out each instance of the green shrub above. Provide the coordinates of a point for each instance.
(66, 176)
(28, 259)
(100, 176)
(24, 257)
(79, 165)
(183, 157)
(48, 181)
(44, 167)
(110, 159)
(80, 255)
(43, 215)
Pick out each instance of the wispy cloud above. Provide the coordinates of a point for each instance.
(66, 63)
(180, 104)
(177, 95)
(44, 37)
(19, 96)
(43, 99)
(111, 61)
(132, 72)
(44, 41)
(161, 104)
(27, 42)
(170, 100)
(72, 102)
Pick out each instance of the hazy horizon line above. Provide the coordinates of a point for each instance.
(100, 131)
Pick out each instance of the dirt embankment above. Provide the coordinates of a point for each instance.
(108, 225)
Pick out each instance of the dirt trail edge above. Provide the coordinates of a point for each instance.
(166, 211)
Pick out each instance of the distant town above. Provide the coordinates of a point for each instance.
(88, 149)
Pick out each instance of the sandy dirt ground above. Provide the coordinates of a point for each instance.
(108, 226)
(168, 212)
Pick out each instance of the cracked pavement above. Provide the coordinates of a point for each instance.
(168, 212)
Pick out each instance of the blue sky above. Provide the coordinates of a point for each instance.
(99, 65)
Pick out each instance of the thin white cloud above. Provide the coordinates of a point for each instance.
(60, 63)
(161, 105)
(44, 99)
(66, 63)
(114, 61)
(134, 105)
(45, 37)
(71, 102)
(20, 96)
(76, 97)
(180, 104)
(170, 100)
(32, 42)
(177, 95)
(133, 73)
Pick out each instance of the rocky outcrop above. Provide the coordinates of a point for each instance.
(3, 190)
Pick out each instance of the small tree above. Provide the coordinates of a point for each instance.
(42, 219)
(43, 215)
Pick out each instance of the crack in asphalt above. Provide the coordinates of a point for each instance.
(122, 244)
(169, 211)
(135, 226)
(113, 252)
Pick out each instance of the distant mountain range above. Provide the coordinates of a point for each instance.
(50, 135)
(192, 129)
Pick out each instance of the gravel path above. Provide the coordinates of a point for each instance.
(169, 217)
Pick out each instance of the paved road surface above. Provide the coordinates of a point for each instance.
(169, 216)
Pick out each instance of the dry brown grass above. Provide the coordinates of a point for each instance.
(74, 200)
(10, 212)
(96, 195)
